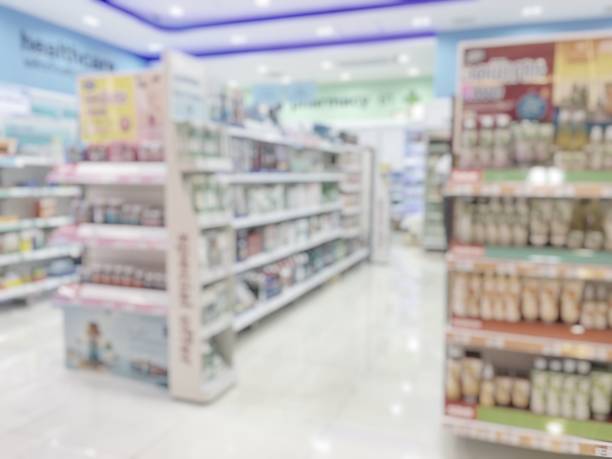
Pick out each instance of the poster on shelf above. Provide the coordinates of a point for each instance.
(512, 80)
(121, 107)
(108, 108)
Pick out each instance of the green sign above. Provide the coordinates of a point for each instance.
(368, 100)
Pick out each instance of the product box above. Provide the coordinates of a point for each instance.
(127, 344)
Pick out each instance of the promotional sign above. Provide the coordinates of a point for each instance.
(121, 107)
(108, 108)
(514, 80)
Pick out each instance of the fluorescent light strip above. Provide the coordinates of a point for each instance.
(296, 14)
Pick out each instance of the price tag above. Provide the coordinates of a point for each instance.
(603, 451)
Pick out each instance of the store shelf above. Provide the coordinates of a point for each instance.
(215, 275)
(545, 262)
(39, 192)
(210, 221)
(124, 237)
(526, 438)
(270, 257)
(125, 299)
(261, 310)
(19, 162)
(36, 223)
(536, 182)
(211, 164)
(47, 253)
(350, 211)
(33, 288)
(110, 173)
(216, 326)
(350, 188)
(351, 233)
(285, 177)
(556, 340)
(292, 214)
(303, 143)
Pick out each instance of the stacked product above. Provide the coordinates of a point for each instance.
(572, 391)
(565, 223)
(512, 298)
(530, 261)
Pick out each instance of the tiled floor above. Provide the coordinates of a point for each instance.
(353, 371)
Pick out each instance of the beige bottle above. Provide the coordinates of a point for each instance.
(487, 387)
(521, 391)
(530, 300)
(549, 301)
(571, 298)
(589, 307)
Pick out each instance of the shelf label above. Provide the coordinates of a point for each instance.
(603, 451)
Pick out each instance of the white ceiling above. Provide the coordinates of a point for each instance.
(361, 61)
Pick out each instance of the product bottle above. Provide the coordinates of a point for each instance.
(487, 387)
(555, 388)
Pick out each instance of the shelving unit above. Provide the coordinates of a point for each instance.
(182, 336)
(38, 138)
(528, 305)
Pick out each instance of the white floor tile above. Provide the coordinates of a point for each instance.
(353, 371)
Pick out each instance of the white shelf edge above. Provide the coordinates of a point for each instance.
(210, 277)
(270, 257)
(352, 233)
(284, 177)
(275, 217)
(278, 139)
(111, 173)
(109, 236)
(261, 310)
(103, 299)
(216, 326)
(488, 431)
(351, 211)
(22, 161)
(40, 192)
(47, 253)
(210, 164)
(350, 189)
(39, 223)
(33, 288)
(208, 221)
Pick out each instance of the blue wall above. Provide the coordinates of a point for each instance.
(39, 54)
(447, 45)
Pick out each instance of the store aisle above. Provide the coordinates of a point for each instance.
(353, 371)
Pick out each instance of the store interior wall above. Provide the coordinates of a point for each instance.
(42, 55)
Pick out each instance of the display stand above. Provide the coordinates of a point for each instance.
(30, 144)
(530, 331)
(201, 240)
(180, 333)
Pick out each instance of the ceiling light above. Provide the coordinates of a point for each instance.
(262, 69)
(327, 65)
(155, 47)
(325, 31)
(232, 84)
(176, 11)
(413, 72)
(403, 59)
(238, 39)
(91, 21)
(286, 80)
(346, 76)
(262, 3)
(421, 21)
(531, 11)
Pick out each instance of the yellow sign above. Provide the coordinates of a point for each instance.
(108, 109)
